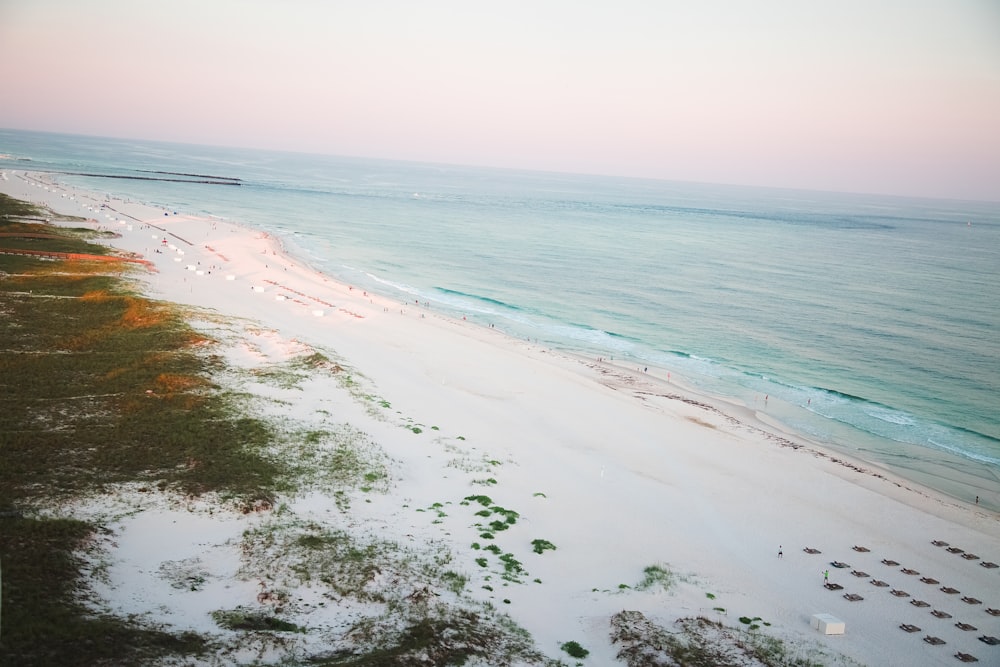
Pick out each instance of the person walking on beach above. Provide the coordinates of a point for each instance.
(779, 551)
(826, 577)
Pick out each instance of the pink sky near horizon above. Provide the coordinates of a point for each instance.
(897, 96)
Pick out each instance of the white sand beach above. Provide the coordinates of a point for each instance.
(617, 468)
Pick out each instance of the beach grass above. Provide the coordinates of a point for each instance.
(541, 546)
(701, 642)
(45, 619)
(419, 612)
(575, 650)
(244, 619)
(656, 577)
(100, 387)
(438, 635)
(13, 210)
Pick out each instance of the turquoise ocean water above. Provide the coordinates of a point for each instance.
(872, 323)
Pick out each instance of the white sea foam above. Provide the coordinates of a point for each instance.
(890, 416)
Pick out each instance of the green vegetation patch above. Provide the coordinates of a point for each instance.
(437, 636)
(244, 619)
(700, 642)
(575, 650)
(44, 620)
(339, 459)
(512, 568)
(23, 227)
(425, 618)
(656, 577)
(455, 581)
(317, 555)
(100, 387)
(11, 208)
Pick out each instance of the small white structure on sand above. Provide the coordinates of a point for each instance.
(258, 288)
(318, 313)
(828, 624)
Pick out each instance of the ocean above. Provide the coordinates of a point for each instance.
(870, 323)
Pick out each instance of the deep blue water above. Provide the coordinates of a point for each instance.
(870, 322)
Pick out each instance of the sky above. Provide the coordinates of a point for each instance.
(885, 96)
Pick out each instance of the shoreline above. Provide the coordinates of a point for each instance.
(883, 480)
(957, 475)
(953, 476)
(626, 451)
(771, 427)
